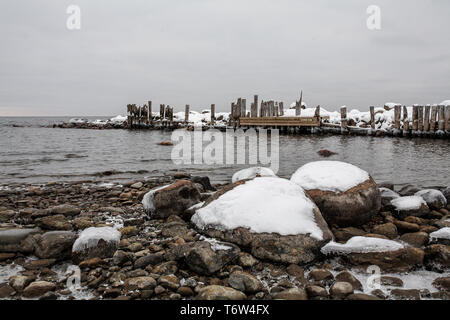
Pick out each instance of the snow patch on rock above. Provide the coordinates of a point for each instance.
(408, 203)
(361, 245)
(335, 176)
(148, 200)
(443, 233)
(251, 173)
(263, 205)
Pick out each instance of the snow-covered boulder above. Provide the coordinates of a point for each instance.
(389, 255)
(410, 206)
(96, 242)
(272, 217)
(171, 199)
(435, 199)
(387, 195)
(345, 194)
(251, 173)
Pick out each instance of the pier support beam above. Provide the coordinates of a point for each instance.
(434, 110)
(344, 125)
(254, 108)
(186, 114)
(426, 120)
(397, 111)
(213, 114)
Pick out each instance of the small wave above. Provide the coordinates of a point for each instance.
(74, 156)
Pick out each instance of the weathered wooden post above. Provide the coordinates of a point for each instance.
(129, 115)
(281, 106)
(420, 119)
(372, 117)
(415, 120)
(186, 114)
(261, 109)
(434, 110)
(426, 119)
(139, 115)
(162, 108)
(447, 119)
(254, 110)
(344, 125)
(405, 121)
(244, 107)
(397, 117)
(277, 109)
(150, 113)
(441, 118)
(213, 113)
(298, 109)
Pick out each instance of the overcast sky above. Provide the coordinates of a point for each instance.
(200, 52)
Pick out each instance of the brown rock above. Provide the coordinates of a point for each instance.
(244, 282)
(346, 276)
(442, 283)
(344, 234)
(391, 281)
(416, 239)
(388, 229)
(55, 245)
(406, 294)
(406, 226)
(340, 290)
(6, 291)
(364, 198)
(216, 292)
(362, 296)
(437, 257)
(291, 294)
(38, 288)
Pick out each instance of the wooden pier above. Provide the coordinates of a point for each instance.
(426, 121)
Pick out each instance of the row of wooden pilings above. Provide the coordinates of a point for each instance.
(426, 120)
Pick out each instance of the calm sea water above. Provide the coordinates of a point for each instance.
(33, 154)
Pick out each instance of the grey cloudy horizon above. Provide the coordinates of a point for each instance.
(200, 52)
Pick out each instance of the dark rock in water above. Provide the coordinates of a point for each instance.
(203, 258)
(204, 181)
(151, 259)
(340, 290)
(437, 257)
(326, 153)
(17, 240)
(387, 185)
(165, 143)
(353, 207)
(57, 222)
(173, 199)
(55, 245)
(6, 291)
(408, 190)
(402, 260)
(38, 288)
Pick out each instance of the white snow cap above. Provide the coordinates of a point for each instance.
(408, 203)
(432, 195)
(362, 245)
(148, 199)
(445, 103)
(333, 176)
(251, 173)
(265, 204)
(118, 119)
(443, 233)
(90, 237)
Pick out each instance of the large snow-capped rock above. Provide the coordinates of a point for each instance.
(271, 216)
(410, 206)
(435, 199)
(389, 255)
(96, 242)
(442, 236)
(251, 173)
(171, 199)
(345, 194)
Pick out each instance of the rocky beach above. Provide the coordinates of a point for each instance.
(156, 238)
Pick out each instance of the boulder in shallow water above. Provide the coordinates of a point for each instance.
(96, 242)
(55, 245)
(271, 217)
(437, 257)
(171, 199)
(435, 199)
(215, 292)
(345, 194)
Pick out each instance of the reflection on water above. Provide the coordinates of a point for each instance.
(35, 154)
